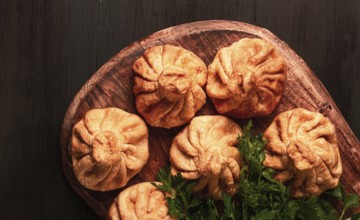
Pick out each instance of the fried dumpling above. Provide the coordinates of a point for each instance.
(302, 147)
(246, 79)
(108, 147)
(206, 151)
(167, 85)
(139, 202)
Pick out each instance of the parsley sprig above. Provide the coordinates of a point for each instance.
(183, 204)
(348, 200)
(259, 197)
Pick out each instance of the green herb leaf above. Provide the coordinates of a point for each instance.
(290, 211)
(164, 177)
(262, 197)
(316, 208)
(349, 200)
(259, 196)
(213, 213)
(184, 205)
(230, 212)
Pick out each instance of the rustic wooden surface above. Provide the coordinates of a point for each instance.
(111, 86)
(49, 48)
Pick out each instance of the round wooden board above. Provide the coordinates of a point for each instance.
(111, 86)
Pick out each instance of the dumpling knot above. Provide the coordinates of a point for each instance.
(174, 85)
(105, 148)
(241, 81)
(211, 162)
(302, 157)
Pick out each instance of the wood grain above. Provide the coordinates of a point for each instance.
(111, 85)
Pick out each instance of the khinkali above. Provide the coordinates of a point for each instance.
(108, 147)
(206, 151)
(167, 85)
(140, 202)
(246, 79)
(302, 147)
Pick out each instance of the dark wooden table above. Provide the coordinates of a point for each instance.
(49, 48)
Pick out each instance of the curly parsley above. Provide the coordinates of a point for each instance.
(259, 197)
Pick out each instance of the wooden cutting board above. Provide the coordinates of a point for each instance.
(111, 86)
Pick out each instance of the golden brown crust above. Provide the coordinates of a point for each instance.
(302, 147)
(139, 202)
(167, 85)
(205, 150)
(246, 79)
(108, 147)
